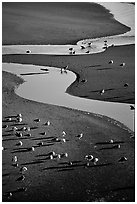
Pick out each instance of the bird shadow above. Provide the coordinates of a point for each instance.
(19, 124)
(77, 165)
(11, 116)
(74, 162)
(68, 169)
(6, 135)
(35, 162)
(123, 188)
(105, 143)
(97, 65)
(107, 148)
(33, 128)
(104, 69)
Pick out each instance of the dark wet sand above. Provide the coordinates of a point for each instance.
(54, 180)
(48, 180)
(56, 23)
(96, 70)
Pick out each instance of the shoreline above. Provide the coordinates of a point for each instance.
(87, 67)
(72, 122)
(79, 29)
(58, 180)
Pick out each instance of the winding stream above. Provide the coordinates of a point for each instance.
(51, 87)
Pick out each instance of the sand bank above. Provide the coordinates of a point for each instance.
(56, 23)
(96, 70)
(47, 180)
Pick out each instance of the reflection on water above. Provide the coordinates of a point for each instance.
(50, 88)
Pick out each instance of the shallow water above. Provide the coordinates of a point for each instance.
(50, 88)
(123, 12)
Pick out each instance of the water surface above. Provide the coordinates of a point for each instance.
(51, 88)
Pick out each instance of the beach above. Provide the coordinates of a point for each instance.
(69, 178)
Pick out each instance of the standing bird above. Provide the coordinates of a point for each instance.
(89, 157)
(132, 107)
(63, 133)
(122, 159)
(37, 120)
(80, 136)
(126, 85)
(20, 143)
(14, 159)
(102, 92)
(47, 123)
(19, 119)
(95, 160)
(82, 47)
(21, 178)
(111, 62)
(23, 169)
(123, 64)
(19, 134)
(19, 115)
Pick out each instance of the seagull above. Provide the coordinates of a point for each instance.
(89, 157)
(31, 149)
(71, 48)
(132, 107)
(21, 178)
(70, 163)
(63, 133)
(15, 159)
(28, 51)
(19, 134)
(29, 135)
(19, 115)
(47, 123)
(87, 164)
(44, 133)
(9, 194)
(126, 85)
(28, 129)
(122, 159)
(111, 62)
(15, 165)
(59, 156)
(20, 143)
(23, 128)
(117, 146)
(5, 126)
(51, 157)
(111, 141)
(24, 168)
(64, 140)
(80, 136)
(37, 120)
(14, 128)
(102, 92)
(19, 119)
(95, 160)
(9, 119)
(40, 143)
(82, 47)
(123, 64)
(87, 51)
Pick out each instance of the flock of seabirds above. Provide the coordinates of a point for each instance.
(20, 131)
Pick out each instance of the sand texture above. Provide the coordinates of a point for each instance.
(96, 70)
(71, 177)
(56, 23)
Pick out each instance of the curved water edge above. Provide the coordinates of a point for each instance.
(52, 87)
(123, 12)
(118, 111)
